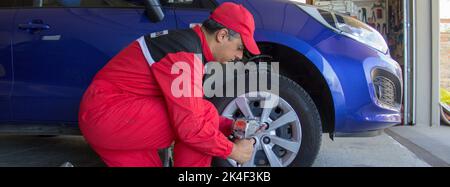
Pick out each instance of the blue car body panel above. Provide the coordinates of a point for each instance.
(52, 68)
(6, 74)
(346, 69)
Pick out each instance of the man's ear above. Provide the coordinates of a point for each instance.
(222, 35)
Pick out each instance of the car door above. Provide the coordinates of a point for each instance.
(191, 12)
(59, 45)
(6, 77)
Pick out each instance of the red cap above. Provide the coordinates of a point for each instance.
(239, 19)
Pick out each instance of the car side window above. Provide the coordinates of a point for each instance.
(195, 4)
(6, 3)
(80, 3)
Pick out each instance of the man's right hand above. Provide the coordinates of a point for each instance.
(242, 150)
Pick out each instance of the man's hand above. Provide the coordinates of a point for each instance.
(242, 150)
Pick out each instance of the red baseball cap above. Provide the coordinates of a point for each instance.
(239, 19)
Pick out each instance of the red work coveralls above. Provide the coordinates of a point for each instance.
(129, 111)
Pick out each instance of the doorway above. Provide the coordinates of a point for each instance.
(444, 61)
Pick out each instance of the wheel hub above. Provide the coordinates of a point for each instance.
(279, 144)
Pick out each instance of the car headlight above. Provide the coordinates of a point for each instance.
(347, 26)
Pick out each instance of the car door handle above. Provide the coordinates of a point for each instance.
(34, 27)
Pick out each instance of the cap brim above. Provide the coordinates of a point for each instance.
(250, 45)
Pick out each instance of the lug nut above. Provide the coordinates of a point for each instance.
(266, 140)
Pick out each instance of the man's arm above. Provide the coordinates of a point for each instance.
(187, 112)
(226, 125)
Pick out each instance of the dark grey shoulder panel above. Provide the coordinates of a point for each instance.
(173, 42)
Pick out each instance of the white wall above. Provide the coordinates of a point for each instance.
(445, 7)
(427, 85)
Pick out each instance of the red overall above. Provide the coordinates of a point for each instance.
(129, 111)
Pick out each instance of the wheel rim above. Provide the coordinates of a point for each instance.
(278, 146)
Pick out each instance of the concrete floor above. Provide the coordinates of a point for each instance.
(35, 151)
(380, 151)
(431, 144)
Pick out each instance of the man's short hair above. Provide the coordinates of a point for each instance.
(212, 27)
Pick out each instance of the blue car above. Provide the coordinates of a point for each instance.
(336, 73)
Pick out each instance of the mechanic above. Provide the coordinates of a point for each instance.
(130, 110)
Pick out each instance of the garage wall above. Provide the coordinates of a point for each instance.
(427, 63)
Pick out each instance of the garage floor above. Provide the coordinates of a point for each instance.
(35, 151)
(431, 144)
(380, 151)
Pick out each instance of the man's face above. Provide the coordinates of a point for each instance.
(228, 48)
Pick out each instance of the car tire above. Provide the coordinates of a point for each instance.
(308, 115)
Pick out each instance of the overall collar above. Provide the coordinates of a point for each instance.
(205, 48)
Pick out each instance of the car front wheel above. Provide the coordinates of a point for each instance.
(294, 132)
